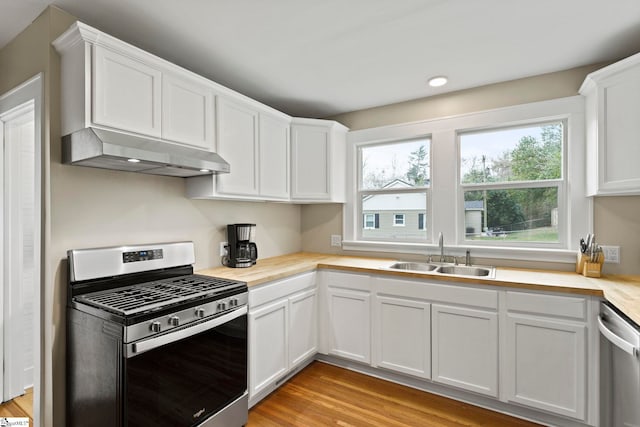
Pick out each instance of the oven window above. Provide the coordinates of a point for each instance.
(185, 382)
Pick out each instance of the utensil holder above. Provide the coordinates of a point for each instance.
(582, 259)
(592, 269)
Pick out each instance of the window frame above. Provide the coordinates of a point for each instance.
(356, 178)
(364, 221)
(444, 196)
(397, 216)
(559, 183)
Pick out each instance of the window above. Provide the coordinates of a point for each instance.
(371, 221)
(493, 181)
(511, 179)
(394, 181)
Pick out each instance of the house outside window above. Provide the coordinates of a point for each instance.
(394, 181)
(371, 221)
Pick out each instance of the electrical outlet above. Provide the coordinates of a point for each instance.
(336, 240)
(611, 254)
(223, 249)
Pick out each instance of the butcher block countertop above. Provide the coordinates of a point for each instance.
(621, 291)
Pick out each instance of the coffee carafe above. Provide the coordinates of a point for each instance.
(242, 251)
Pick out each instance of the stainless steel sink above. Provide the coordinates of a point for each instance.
(446, 269)
(466, 270)
(413, 266)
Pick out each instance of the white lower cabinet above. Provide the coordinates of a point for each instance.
(546, 364)
(402, 336)
(465, 348)
(350, 324)
(303, 326)
(268, 345)
(283, 331)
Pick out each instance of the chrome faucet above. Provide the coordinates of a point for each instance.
(441, 244)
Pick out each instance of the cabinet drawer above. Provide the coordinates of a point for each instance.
(449, 293)
(347, 280)
(280, 288)
(551, 305)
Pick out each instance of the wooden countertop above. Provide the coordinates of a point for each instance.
(621, 291)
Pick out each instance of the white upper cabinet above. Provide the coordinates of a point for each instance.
(238, 145)
(274, 157)
(188, 111)
(127, 93)
(612, 110)
(318, 165)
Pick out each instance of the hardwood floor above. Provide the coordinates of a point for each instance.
(323, 395)
(21, 406)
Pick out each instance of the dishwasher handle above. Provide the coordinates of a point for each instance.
(622, 344)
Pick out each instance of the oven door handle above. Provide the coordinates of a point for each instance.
(140, 347)
(621, 343)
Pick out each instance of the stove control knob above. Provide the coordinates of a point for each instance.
(174, 320)
(155, 327)
(200, 312)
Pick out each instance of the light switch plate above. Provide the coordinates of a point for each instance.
(336, 240)
(611, 254)
(223, 248)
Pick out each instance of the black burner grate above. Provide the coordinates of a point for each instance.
(142, 297)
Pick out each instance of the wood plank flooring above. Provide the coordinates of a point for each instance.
(324, 395)
(21, 406)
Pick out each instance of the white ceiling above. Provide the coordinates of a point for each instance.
(317, 58)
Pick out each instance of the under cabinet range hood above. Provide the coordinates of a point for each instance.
(106, 149)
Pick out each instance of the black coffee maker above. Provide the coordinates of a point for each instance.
(242, 251)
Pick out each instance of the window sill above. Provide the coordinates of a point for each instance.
(494, 252)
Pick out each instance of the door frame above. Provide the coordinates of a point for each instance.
(30, 91)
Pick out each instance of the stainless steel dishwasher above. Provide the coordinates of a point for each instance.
(619, 369)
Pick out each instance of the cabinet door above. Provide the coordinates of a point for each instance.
(274, 157)
(465, 348)
(303, 326)
(546, 365)
(402, 336)
(618, 131)
(310, 167)
(349, 324)
(126, 93)
(187, 111)
(238, 145)
(268, 345)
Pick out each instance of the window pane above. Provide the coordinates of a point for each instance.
(529, 153)
(395, 216)
(398, 165)
(525, 215)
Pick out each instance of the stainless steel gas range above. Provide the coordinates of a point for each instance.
(150, 343)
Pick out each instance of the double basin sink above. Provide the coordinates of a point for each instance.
(445, 269)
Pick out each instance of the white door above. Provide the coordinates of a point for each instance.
(187, 111)
(402, 336)
(546, 365)
(19, 273)
(349, 324)
(268, 345)
(303, 326)
(465, 348)
(238, 145)
(310, 171)
(126, 93)
(274, 157)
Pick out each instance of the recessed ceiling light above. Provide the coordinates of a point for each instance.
(205, 170)
(133, 160)
(438, 81)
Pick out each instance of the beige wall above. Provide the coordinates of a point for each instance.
(86, 207)
(615, 218)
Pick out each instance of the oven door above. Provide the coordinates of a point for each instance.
(187, 375)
